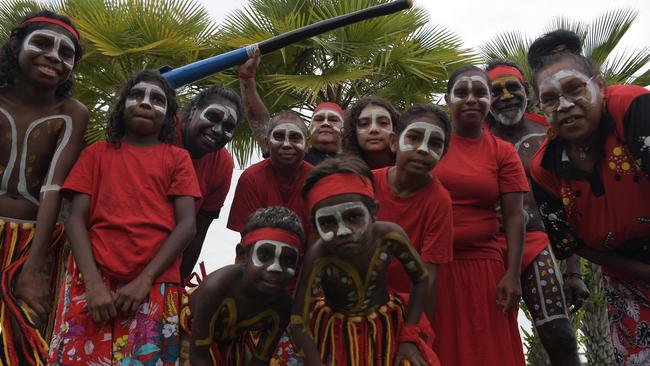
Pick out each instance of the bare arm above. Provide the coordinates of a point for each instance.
(193, 250)
(256, 111)
(616, 262)
(205, 303)
(431, 289)
(509, 288)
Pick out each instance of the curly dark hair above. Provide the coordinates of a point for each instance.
(555, 46)
(421, 109)
(9, 67)
(350, 142)
(275, 217)
(342, 163)
(463, 69)
(225, 92)
(116, 128)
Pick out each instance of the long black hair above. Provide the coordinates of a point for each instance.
(350, 142)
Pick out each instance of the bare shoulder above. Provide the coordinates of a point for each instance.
(77, 110)
(387, 228)
(216, 285)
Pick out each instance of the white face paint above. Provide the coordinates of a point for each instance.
(278, 247)
(566, 99)
(334, 221)
(427, 129)
(54, 40)
(468, 81)
(159, 101)
(288, 128)
(375, 113)
(226, 113)
(509, 117)
(326, 113)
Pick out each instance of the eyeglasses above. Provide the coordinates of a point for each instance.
(550, 102)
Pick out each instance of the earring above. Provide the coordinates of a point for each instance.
(551, 133)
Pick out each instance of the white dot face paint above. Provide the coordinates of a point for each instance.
(218, 114)
(59, 45)
(562, 90)
(288, 134)
(283, 257)
(149, 94)
(348, 218)
(326, 118)
(463, 90)
(374, 118)
(417, 136)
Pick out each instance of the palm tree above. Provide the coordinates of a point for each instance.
(600, 38)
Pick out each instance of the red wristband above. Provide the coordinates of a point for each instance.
(245, 75)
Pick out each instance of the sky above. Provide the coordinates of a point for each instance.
(476, 22)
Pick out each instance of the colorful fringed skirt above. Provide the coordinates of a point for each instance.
(22, 342)
(149, 337)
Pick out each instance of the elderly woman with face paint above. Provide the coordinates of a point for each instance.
(480, 171)
(357, 321)
(592, 181)
(237, 300)
(275, 181)
(41, 134)
(204, 129)
(541, 277)
(369, 131)
(325, 128)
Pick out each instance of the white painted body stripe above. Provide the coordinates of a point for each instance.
(4, 184)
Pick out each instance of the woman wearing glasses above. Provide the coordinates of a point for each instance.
(592, 181)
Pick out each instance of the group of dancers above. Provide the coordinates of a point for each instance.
(369, 236)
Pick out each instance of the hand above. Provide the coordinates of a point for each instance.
(99, 300)
(251, 64)
(408, 351)
(33, 288)
(509, 292)
(129, 297)
(576, 292)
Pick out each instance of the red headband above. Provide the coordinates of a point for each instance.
(55, 22)
(273, 233)
(337, 184)
(329, 105)
(502, 70)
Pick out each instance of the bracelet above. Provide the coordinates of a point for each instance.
(245, 75)
(577, 275)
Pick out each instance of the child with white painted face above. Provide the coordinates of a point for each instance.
(349, 264)
(410, 196)
(41, 134)
(236, 300)
(369, 131)
(277, 180)
(591, 180)
(131, 216)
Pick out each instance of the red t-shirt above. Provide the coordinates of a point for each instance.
(425, 216)
(476, 171)
(214, 172)
(258, 187)
(131, 208)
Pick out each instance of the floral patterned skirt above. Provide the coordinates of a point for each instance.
(628, 308)
(150, 337)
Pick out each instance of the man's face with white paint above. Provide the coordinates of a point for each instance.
(47, 55)
(287, 141)
(211, 125)
(145, 108)
(421, 144)
(509, 100)
(374, 128)
(571, 100)
(325, 129)
(271, 265)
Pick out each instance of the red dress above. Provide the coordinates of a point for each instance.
(258, 187)
(476, 171)
(608, 210)
(425, 216)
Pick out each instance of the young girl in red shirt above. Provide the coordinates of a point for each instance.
(131, 216)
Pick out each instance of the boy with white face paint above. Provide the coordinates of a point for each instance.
(410, 196)
(369, 131)
(326, 130)
(275, 181)
(349, 264)
(250, 296)
(41, 134)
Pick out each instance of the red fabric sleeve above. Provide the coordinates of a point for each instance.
(512, 176)
(216, 196)
(81, 178)
(183, 179)
(244, 203)
(544, 178)
(437, 246)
